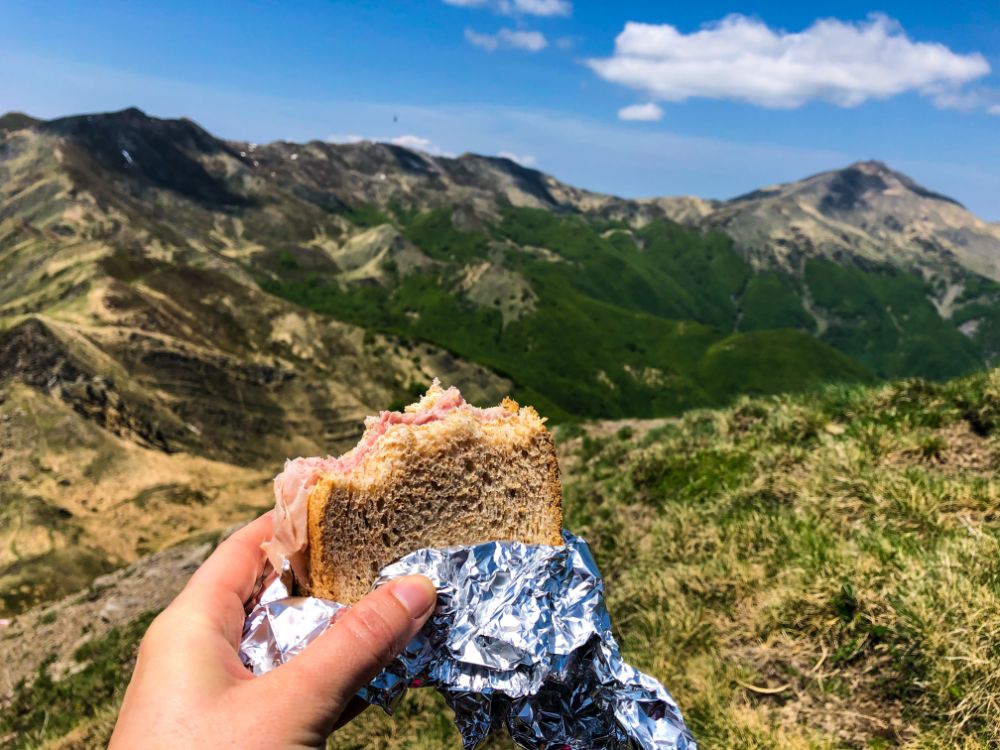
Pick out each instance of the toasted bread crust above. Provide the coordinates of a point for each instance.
(456, 481)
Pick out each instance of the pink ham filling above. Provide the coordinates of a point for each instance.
(292, 486)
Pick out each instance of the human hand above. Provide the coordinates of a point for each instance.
(190, 689)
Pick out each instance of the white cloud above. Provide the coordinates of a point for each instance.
(742, 59)
(419, 143)
(525, 160)
(488, 42)
(519, 7)
(407, 140)
(532, 41)
(966, 100)
(621, 158)
(414, 142)
(648, 112)
(345, 138)
(537, 7)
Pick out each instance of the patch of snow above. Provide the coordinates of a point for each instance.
(128, 157)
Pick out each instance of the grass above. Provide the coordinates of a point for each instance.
(30, 581)
(43, 708)
(811, 571)
(819, 571)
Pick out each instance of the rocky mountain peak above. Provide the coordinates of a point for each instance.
(852, 186)
(866, 211)
(16, 121)
(141, 152)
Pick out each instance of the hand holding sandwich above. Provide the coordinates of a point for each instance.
(189, 688)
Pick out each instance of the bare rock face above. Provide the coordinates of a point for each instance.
(866, 211)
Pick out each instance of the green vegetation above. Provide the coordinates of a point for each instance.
(773, 300)
(367, 216)
(979, 306)
(435, 234)
(44, 708)
(809, 572)
(611, 333)
(804, 573)
(884, 319)
(635, 322)
(28, 581)
(664, 269)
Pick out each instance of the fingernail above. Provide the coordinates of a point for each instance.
(416, 593)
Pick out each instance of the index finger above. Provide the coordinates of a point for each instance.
(217, 590)
(236, 564)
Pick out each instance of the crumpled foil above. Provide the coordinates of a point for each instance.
(520, 638)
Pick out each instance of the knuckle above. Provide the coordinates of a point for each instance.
(157, 631)
(371, 623)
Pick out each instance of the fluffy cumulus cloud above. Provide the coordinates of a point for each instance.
(519, 7)
(648, 112)
(742, 59)
(532, 41)
(525, 160)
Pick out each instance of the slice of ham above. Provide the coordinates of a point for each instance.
(293, 485)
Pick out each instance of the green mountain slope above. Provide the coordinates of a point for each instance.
(591, 305)
(608, 331)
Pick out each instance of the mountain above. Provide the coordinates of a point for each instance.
(898, 246)
(867, 212)
(147, 384)
(179, 312)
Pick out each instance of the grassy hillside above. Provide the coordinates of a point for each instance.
(818, 571)
(883, 318)
(802, 572)
(611, 323)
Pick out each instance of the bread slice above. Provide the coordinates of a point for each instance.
(442, 474)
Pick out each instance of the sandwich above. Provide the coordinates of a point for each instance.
(438, 474)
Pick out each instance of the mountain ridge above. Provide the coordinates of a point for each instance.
(467, 176)
(170, 298)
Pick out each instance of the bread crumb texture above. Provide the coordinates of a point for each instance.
(456, 481)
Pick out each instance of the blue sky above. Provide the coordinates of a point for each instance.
(730, 96)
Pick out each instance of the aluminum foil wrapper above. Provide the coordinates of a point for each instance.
(521, 638)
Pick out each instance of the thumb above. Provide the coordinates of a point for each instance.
(356, 647)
